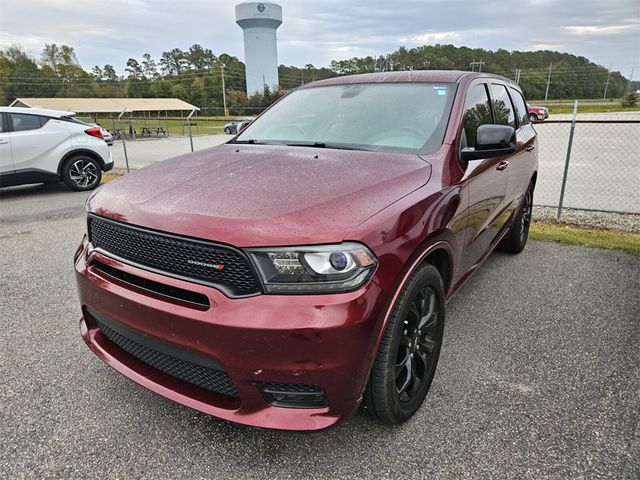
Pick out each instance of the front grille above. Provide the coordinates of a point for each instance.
(212, 379)
(166, 291)
(290, 387)
(182, 257)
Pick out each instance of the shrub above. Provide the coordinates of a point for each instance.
(630, 100)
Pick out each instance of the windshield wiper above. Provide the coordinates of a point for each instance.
(253, 141)
(338, 146)
(308, 144)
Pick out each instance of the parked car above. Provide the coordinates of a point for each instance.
(231, 128)
(537, 114)
(303, 268)
(242, 125)
(48, 146)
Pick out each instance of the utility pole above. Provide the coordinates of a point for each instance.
(546, 93)
(224, 93)
(630, 80)
(473, 65)
(518, 72)
(606, 85)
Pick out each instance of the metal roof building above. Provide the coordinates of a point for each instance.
(105, 105)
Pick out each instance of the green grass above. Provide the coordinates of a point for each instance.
(591, 108)
(608, 239)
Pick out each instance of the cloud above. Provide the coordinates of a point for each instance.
(320, 31)
(434, 37)
(600, 29)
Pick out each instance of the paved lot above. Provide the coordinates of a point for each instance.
(539, 378)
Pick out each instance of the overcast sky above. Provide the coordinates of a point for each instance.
(111, 31)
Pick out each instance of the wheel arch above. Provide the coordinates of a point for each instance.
(442, 260)
(81, 151)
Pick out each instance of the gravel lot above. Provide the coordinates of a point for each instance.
(539, 378)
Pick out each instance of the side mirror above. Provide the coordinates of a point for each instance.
(492, 141)
(242, 125)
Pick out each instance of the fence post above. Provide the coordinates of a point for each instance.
(189, 125)
(566, 162)
(122, 136)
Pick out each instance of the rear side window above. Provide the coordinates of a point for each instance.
(521, 106)
(477, 111)
(3, 127)
(502, 106)
(23, 121)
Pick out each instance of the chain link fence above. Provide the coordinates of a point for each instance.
(139, 142)
(599, 163)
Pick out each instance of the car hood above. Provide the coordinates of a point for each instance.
(262, 195)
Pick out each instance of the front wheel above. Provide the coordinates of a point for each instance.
(81, 173)
(533, 117)
(519, 234)
(409, 349)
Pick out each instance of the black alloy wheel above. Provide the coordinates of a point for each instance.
(81, 173)
(517, 238)
(525, 218)
(415, 356)
(408, 354)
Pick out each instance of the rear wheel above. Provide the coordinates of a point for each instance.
(409, 349)
(227, 131)
(517, 238)
(81, 173)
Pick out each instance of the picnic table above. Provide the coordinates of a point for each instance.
(153, 130)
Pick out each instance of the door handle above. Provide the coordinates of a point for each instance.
(2, 142)
(528, 148)
(502, 165)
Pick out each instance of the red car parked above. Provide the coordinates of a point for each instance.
(286, 277)
(537, 114)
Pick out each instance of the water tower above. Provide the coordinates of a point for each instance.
(259, 22)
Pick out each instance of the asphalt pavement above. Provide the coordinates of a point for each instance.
(539, 378)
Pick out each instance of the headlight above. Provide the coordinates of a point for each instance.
(314, 269)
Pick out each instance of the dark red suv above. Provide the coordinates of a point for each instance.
(302, 269)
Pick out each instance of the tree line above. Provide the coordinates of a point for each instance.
(196, 74)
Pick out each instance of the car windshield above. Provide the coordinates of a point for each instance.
(396, 117)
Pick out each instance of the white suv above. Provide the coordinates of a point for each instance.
(50, 146)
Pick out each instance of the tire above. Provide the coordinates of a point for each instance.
(81, 173)
(517, 239)
(533, 117)
(408, 354)
(227, 131)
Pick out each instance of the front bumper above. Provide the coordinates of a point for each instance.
(327, 341)
(541, 115)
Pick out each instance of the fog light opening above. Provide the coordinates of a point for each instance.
(292, 395)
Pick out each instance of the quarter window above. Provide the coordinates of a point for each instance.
(23, 122)
(521, 106)
(477, 111)
(502, 106)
